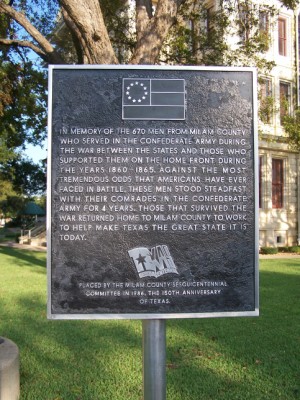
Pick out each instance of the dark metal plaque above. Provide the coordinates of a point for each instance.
(152, 192)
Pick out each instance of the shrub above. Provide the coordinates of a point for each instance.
(269, 250)
(14, 223)
(295, 249)
(284, 249)
(10, 235)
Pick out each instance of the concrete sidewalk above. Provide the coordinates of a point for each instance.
(23, 246)
(279, 256)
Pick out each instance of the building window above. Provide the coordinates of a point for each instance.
(244, 22)
(266, 101)
(277, 183)
(282, 36)
(285, 99)
(260, 181)
(280, 238)
(209, 20)
(264, 21)
(264, 29)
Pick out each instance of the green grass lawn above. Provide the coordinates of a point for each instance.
(219, 359)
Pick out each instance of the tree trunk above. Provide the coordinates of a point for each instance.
(95, 43)
(143, 16)
(154, 35)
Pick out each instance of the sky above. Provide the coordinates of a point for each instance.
(36, 153)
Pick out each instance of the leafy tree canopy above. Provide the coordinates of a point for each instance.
(34, 33)
(27, 178)
(11, 206)
(22, 104)
(109, 32)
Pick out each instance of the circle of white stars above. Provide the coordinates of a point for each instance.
(136, 92)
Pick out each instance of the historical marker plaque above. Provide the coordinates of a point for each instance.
(151, 200)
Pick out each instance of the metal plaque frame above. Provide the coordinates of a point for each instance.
(53, 249)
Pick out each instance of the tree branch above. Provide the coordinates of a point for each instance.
(150, 44)
(24, 43)
(46, 46)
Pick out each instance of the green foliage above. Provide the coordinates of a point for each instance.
(284, 249)
(6, 98)
(292, 4)
(119, 25)
(22, 120)
(27, 178)
(41, 201)
(254, 38)
(192, 42)
(289, 249)
(23, 85)
(6, 189)
(24, 111)
(266, 109)
(291, 126)
(11, 206)
(5, 90)
(268, 250)
(15, 222)
(295, 249)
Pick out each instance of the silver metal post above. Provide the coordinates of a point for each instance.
(154, 359)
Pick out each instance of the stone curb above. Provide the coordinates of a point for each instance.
(279, 256)
(9, 370)
(23, 246)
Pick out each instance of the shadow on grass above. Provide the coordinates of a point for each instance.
(75, 360)
(65, 360)
(242, 358)
(24, 257)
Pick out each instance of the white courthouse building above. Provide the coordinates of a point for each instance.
(279, 197)
(279, 166)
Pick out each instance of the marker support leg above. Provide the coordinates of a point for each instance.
(154, 359)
